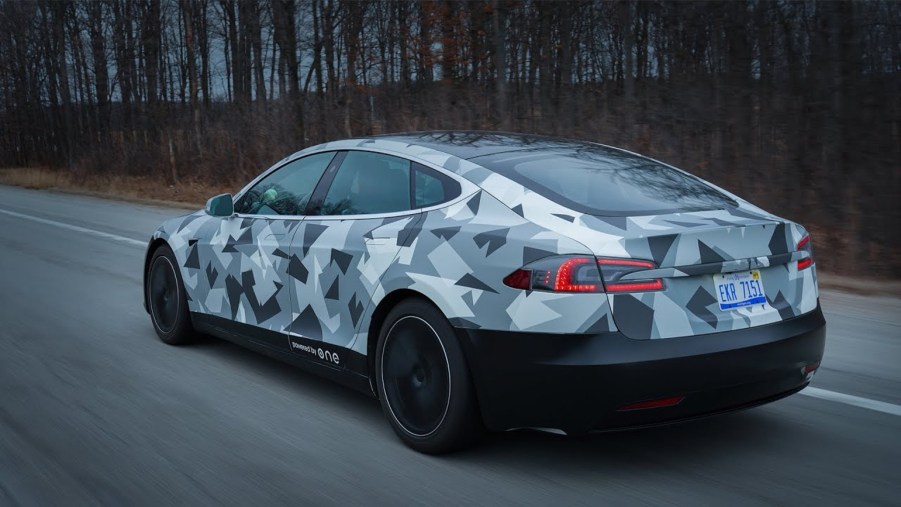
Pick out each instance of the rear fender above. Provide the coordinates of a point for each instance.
(458, 257)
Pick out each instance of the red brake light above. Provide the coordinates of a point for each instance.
(563, 282)
(577, 273)
(805, 246)
(626, 262)
(559, 273)
(652, 285)
(613, 270)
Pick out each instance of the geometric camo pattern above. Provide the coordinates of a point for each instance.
(323, 277)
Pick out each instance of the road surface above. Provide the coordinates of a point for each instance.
(94, 409)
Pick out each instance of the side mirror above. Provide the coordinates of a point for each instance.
(220, 206)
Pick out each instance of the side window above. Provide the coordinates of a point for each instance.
(431, 187)
(369, 183)
(287, 190)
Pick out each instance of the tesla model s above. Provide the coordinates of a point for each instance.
(473, 280)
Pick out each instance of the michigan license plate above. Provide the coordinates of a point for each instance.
(736, 290)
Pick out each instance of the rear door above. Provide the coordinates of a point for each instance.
(359, 219)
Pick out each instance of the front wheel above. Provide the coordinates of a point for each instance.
(167, 302)
(423, 381)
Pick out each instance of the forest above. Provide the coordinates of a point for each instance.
(795, 106)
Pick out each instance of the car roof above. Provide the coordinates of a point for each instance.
(469, 144)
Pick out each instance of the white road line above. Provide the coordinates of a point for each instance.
(856, 401)
(101, 234)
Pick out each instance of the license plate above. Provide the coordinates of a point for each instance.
(736, 290)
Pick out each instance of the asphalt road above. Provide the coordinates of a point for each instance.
(94, 409)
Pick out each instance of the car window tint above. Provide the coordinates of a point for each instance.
(431, 188)
(369, 183)
(598, 180)
(287, 190)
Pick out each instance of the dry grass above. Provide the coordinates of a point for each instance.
(134, 188)
(859, 285)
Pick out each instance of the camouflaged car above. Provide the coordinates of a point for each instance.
(475, 280)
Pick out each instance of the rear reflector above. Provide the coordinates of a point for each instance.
(662, 402)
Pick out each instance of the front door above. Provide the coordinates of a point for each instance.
(247, 259)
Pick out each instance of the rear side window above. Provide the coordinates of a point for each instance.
(603, 181)
(369, 183)
(431, 188)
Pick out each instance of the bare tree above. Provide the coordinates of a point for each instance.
(795, 104)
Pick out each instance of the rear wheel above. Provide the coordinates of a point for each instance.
(166, 299)
(423, 380)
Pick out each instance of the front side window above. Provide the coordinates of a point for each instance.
(287, 190)
(368, 183)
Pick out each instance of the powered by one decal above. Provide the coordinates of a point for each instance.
(316, 352)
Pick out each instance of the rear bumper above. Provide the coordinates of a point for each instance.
(580, 383)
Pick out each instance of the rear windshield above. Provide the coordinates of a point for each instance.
(605, 181)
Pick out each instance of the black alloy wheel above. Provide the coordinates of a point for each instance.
(166, 299)
(416, 376)
(423, 380)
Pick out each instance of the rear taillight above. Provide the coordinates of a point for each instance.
(805, 246)
(558, 274)
(519, 279)
(613, 270)
(571, 273)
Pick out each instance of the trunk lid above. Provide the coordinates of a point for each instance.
(721, 271)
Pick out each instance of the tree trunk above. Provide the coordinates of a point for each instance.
(500, 64)
(187, 8)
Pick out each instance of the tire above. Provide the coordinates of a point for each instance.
(423, 380)
(167, 302)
